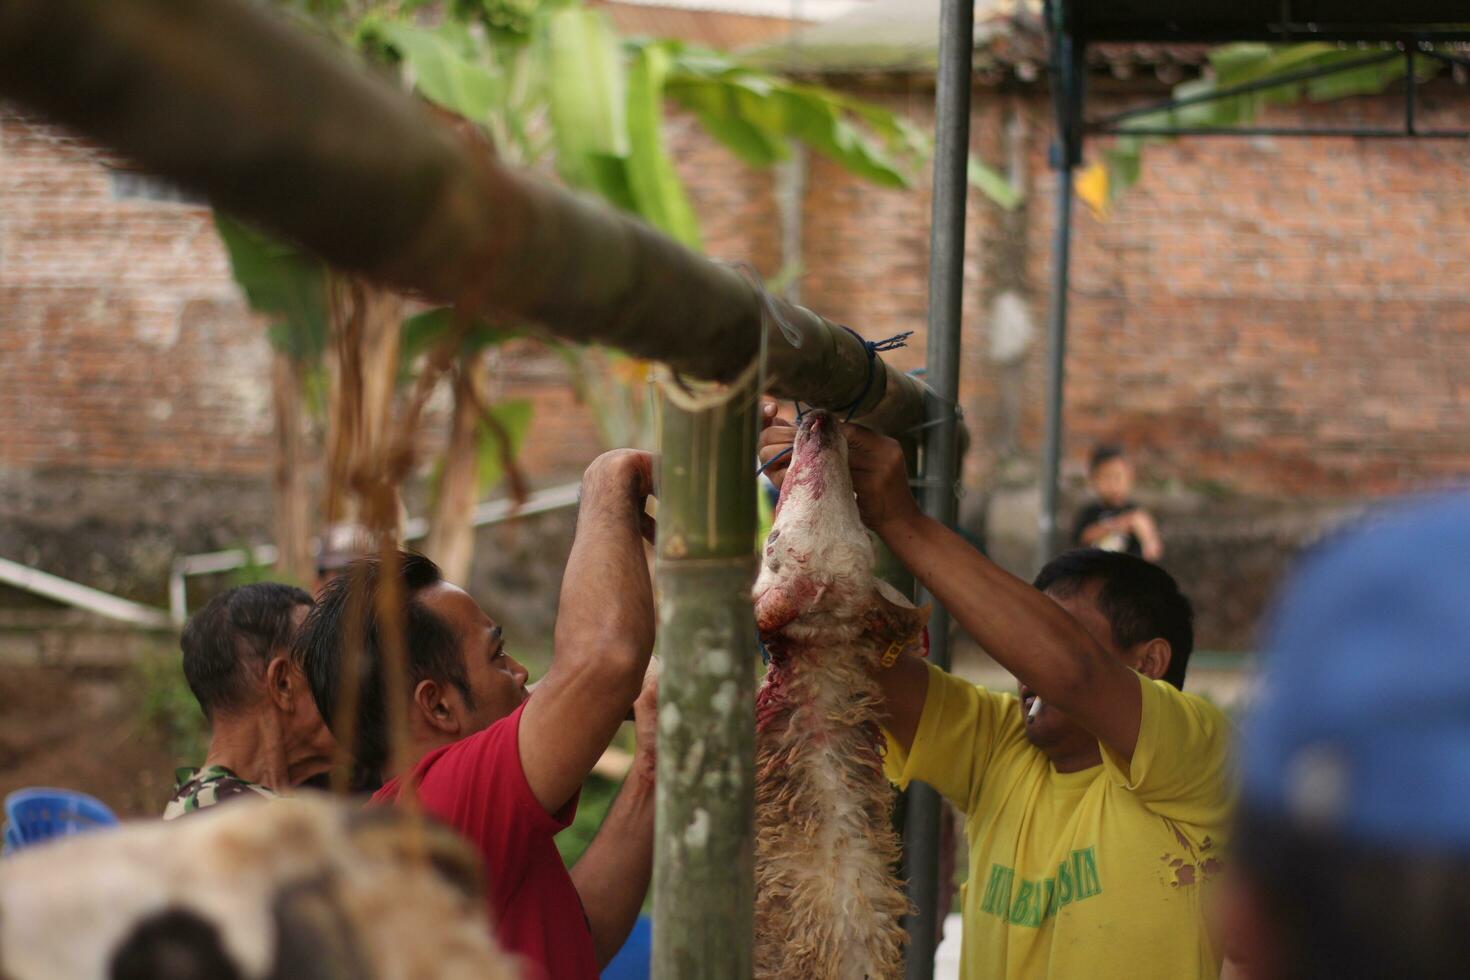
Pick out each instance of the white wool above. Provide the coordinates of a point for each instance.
(827, 902)
(66, 907)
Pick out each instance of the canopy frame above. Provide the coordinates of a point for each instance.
(1073, 25)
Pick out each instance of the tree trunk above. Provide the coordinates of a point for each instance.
(452, 535)
(292, 489)
(704, 851)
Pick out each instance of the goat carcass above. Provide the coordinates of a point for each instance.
(827, 902)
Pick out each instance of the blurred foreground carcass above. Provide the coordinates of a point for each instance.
(828, 905)
(306, 889)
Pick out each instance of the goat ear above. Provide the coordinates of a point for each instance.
(776, 607)
(896, 623)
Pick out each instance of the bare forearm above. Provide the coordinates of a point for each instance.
(606, 596)
(604, 633)
(613, 874)
(1026, 632)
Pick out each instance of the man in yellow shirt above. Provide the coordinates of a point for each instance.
(1096, 802)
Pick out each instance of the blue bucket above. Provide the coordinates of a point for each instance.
(41, 813)
(633, 960)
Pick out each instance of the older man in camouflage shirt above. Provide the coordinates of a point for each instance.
(266, 734)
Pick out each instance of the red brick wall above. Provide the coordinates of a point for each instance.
(122, 341)
(125, 345)
(135, 413)
(1281, 317)
(1284, 317)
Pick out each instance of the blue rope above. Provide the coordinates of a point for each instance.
(800, 414)
(873, 348)
(766, 465)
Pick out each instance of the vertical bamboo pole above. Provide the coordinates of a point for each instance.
(704, 854)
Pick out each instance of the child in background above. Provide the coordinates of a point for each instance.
(1113, 522)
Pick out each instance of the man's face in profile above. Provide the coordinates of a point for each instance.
(496, 680)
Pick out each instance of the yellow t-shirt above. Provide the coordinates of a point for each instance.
(1095, 874)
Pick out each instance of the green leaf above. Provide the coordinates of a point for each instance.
(657, 190)
(283, 282)
(610, 179)
(818, 122)
(755, 114)
(584, 70)
(993, 184)
(746, 141)
(514, 418)
(442, 72)
(1125, 166)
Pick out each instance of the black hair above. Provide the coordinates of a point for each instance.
(228, 644)
(431, 645)
(1103, 452)
(1343, 909)
(1140, 600)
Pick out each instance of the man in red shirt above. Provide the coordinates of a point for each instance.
(505, 769)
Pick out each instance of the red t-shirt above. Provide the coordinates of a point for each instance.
(478, 787)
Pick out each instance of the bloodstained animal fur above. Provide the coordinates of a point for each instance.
(828, 906)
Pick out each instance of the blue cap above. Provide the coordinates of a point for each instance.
(1363, 724)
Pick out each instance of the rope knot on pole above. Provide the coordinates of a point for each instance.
(873, 348)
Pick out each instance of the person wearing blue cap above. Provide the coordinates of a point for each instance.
(1352, 844)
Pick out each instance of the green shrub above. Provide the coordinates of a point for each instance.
(168, 706)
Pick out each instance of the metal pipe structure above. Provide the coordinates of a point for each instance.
(1348, 132)
(1246, 88)
(1056, 370)
(939, 463)
(486, 513)
(1066, 151)
(281, 129)
(54, 587)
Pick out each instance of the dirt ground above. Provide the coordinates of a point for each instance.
(83, 729)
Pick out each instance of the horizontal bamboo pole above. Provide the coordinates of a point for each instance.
(278, 127)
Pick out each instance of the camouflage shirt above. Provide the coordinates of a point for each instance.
(199, 788)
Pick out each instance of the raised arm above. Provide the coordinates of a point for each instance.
(1149, 538)
(1026, 632)
(604, 632)
(613, 873)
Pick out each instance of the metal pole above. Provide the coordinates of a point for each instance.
(704, 843)
(1066, 151)
(1056, 335)
(939, 463)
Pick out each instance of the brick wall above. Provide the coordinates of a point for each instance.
(135, 410)
(124, 344)
(1277, 318)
